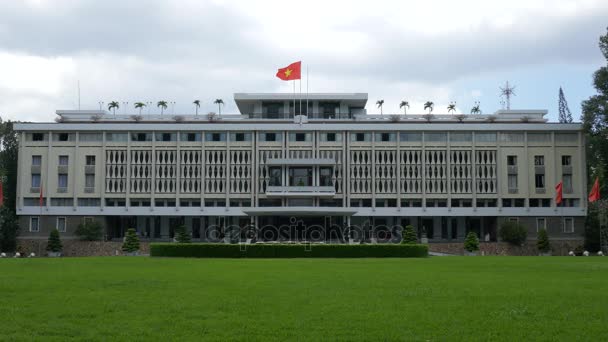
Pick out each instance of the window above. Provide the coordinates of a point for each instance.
(190, 136)
(568, 225)
(485, 137)
(141, 136)
(37, 136)
(299, 136)
(567, 179)
(166, 137)
(513, 202)
(62, 202)
(275, 176)
(299, 202)
(90, 137)
(33, 202)
(63, 137)
(60, 224)
(37, 160)
(512, 137)
(270, 136)
(435, 137)
(325, 175)
(90, 160)
(566, 137)
(330, 137)
(361, 137)
(62, 180)
(512, 182)
(512, 160)
(63, 160)
(539, 137)
(300, 176)
(240, 136)
(34, 224)
(541, 223)
(35, 180)
(461, 137)
(566, 160)
(89, 180)
(540, 202)
(115, 202)
(539, 181)
(89, 202)
(539, 160)
(116, 137)
(410, 137)
(385, 137)
(215, 137)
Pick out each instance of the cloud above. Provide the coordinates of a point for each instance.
(184, 50)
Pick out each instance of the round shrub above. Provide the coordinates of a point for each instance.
(131, 243)
(542, 242)
(471, 242)
(513, 233)
(90, 231)
(54, 242)
(182, 235)
(409, 235)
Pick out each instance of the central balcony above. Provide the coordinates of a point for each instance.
(300, 191)
(302, 161)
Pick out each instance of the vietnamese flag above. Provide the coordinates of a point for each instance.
(558, 193)
(594, 195)
(291, 72)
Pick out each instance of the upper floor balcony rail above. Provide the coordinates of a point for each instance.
(300, 191)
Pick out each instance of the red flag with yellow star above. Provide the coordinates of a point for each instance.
(291, 72)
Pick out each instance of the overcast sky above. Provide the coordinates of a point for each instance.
(419, 51)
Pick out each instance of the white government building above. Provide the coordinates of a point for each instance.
(336, 174)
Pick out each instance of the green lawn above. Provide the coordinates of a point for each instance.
(438, 298)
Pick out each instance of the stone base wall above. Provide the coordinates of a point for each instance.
(559, 247)
(77, 248)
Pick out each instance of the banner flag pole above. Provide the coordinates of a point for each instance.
(307, 90)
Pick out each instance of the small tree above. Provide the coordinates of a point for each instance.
(513, 233)
(54, 242)
(182, 235)
(542, 241)
(409, 235)
(471, 243)
(89, 231)
(131, 243)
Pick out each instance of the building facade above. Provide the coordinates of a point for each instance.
(329, 173)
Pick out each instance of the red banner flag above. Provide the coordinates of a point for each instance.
(291, 72)
(594, 195)
(558, 193)
(1, 195)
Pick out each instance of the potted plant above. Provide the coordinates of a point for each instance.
(471, 244)
(542, 243)
(409, 235)
(131, 244)
(54, 246)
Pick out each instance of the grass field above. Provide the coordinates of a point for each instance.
(449, 298)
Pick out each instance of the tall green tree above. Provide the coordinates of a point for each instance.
(162, 105)
(219, 103)
(595, 126)
(9, 147)
(380, 103)
(113, 106)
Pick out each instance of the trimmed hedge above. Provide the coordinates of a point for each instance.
(212, 250)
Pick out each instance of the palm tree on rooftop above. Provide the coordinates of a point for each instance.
(475, 109)
(219, 103)
(403, 105)
(451, 107)
(140, 106)
(113, 106)
(197, 105)
(429, 105)
(380, 103)
(162, 105)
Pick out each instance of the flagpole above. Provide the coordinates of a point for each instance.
(294, 98)
(307, 90)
